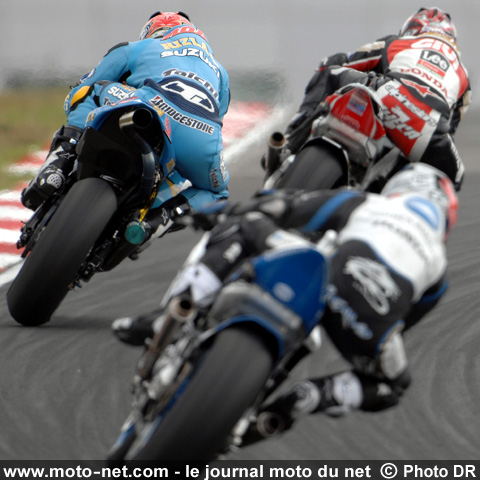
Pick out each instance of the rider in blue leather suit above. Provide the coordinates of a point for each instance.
(172, 66)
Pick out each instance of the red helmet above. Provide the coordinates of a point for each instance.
(160, 22)
(429, 182)
(430, 20)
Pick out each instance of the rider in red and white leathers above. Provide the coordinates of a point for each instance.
(421, 81)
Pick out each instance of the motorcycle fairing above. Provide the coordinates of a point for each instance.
(297, 278)
(285, 295)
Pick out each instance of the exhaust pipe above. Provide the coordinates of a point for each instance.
(276, 142)
(270, 424)
(182, 309)
(179, 311)
(140, 118)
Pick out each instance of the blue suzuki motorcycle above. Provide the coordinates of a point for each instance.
(201, 380)
(125, 171)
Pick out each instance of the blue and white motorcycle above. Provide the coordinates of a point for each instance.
(200, 382)
(125, 169)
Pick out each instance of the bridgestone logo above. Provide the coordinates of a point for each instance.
(160, 103)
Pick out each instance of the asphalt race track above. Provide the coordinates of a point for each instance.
(65, 385)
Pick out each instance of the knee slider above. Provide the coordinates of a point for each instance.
(72, 101)
(392, 360)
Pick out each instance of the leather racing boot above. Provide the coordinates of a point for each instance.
(59, 163)
(135, 330)
(334, 395)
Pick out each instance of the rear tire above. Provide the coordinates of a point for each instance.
(226, 382)
(317, 166)
(53, 263)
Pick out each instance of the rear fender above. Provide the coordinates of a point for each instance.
(334, 148)
(321, 163)
(123, 150)
(158, 134)
(242, 302)
(278, 344)
(101, 155)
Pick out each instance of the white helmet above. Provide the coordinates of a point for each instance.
(426, 181)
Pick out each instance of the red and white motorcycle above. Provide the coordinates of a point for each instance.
(348, 146)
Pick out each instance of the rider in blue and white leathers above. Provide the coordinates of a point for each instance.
(173, 68)
(387, 262)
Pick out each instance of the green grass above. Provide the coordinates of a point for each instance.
(28, 120)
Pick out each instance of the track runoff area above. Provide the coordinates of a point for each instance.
(240, 131)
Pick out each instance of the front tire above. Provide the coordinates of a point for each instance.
(227, 382)
(53, 263)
